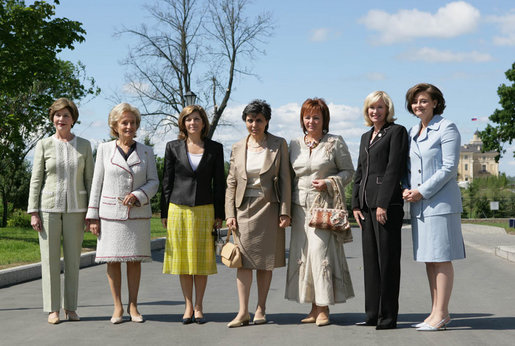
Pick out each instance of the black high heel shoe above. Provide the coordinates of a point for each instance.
(200, 320)
(188, 320)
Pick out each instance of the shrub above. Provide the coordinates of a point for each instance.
(19, 218)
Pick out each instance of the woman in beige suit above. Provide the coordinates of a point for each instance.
(317, 268)
(58, 197)
(257, 207)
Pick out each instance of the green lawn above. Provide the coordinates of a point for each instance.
(20, 245)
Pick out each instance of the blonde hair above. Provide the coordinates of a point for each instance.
(117, 112)
(372, 98)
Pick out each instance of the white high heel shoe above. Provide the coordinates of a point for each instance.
(418, 325)
(442, 325)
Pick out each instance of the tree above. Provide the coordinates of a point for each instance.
(494, 137)
(31, 78)
(192, 43)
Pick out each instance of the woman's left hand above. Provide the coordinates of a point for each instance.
(284, 221)
(412, 196)
(218, 223)
(129, 200)
(319, 184)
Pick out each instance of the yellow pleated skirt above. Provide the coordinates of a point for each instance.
(190, 244)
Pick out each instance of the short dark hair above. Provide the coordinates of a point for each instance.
(183, 133)
(434, 92)
(315, 104)
(258, 107)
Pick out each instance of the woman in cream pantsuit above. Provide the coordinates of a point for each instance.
(125, 180)
(317, 268)
(257, 206)
(58, 197)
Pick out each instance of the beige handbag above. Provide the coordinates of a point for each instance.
(332, 219)
(230, 254)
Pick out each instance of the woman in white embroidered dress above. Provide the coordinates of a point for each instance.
(317, 267)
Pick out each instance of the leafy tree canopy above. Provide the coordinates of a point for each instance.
(495, 136)
(31, 78)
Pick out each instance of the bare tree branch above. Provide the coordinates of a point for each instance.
(206, 41)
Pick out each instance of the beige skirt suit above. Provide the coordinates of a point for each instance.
(259, 237)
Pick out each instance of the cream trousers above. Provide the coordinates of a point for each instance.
(71, 227)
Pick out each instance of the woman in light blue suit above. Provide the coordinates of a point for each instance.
(435, 198)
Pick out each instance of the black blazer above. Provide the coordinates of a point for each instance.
(183, 186)
(381, 166)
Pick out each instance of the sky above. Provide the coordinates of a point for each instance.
(335, 49)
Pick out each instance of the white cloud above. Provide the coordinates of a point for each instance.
(506, 25)
(454, 19)
(375, 76)
(132, 87)
(427, 54)
(319, 35)
(323, 34)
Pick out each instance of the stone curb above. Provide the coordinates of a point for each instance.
(506, 252)
(28, 272)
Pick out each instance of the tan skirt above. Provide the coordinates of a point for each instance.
(259, 237)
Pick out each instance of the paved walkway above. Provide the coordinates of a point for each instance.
(483, 307)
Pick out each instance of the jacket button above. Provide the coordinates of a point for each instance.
(419, 171)
(418, 184)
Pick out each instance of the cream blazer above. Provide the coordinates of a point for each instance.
(61, 176)
(274, 176)
(114, 178)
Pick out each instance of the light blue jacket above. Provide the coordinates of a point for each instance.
(433, 171)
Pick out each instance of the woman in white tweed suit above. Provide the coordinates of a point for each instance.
(58, 196)
(125, 180)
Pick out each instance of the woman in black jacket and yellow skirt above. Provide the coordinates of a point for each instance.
(192, 204)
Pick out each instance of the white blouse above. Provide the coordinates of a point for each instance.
(255, 161)
(194, 160)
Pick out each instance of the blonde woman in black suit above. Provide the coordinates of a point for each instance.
(378, 208)
(192, 204)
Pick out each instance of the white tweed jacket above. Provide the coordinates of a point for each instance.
(61, 176)
(114, 178)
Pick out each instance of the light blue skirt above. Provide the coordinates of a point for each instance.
(437, 238)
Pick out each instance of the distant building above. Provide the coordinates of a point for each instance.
(474, 163)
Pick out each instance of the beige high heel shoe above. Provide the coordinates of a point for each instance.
(308, 319)
(323, 318)
(238, 323)
(117, 320)
(71, 315)
(135, 318)
(54, 319)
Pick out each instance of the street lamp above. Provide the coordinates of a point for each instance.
(190, 98)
